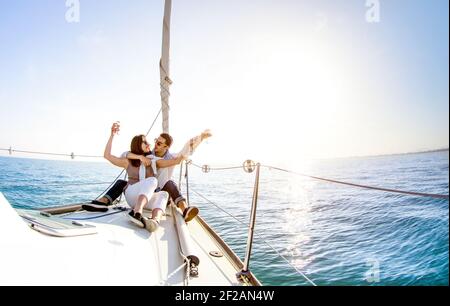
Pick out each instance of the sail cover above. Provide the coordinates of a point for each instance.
(164, 67)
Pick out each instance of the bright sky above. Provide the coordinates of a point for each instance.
(275, 81)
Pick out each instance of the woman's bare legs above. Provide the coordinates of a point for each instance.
(156, 214)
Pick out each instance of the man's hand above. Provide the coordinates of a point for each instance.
(205, 134)
(180, 158)
(145, 160)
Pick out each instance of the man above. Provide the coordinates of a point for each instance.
(166, 164)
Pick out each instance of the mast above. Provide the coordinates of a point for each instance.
(165, 80)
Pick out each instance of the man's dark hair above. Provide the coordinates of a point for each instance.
(167, 138)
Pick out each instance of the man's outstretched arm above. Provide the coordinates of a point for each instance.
(165, 163)
(193, 143)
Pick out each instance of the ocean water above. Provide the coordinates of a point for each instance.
(335, 234)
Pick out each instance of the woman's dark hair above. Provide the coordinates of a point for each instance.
(136, 148)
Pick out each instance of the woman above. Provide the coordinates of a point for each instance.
(142, 183)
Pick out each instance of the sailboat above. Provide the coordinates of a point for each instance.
(65, 245)
(70, 246)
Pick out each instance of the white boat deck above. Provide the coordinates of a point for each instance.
(120, 253)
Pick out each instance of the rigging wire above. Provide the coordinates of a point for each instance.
(220, 208)
(218, 168)
(73, 155)
(62, 184)
(405, 192)
(154, 121)
(260, 236)
(412, 193)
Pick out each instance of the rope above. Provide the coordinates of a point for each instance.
(245, 280)
(70, 213)
(187, 273)
(95, 217)
(154, 121)
(436, 196)
(166, 281)
(261, 237)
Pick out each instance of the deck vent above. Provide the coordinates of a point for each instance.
(216, 254)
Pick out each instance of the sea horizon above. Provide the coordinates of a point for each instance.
(102, 160)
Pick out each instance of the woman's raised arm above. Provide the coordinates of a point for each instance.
(119, 162)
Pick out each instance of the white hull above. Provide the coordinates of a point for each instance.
(119, 253)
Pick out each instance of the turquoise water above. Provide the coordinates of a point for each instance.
(337, 235)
